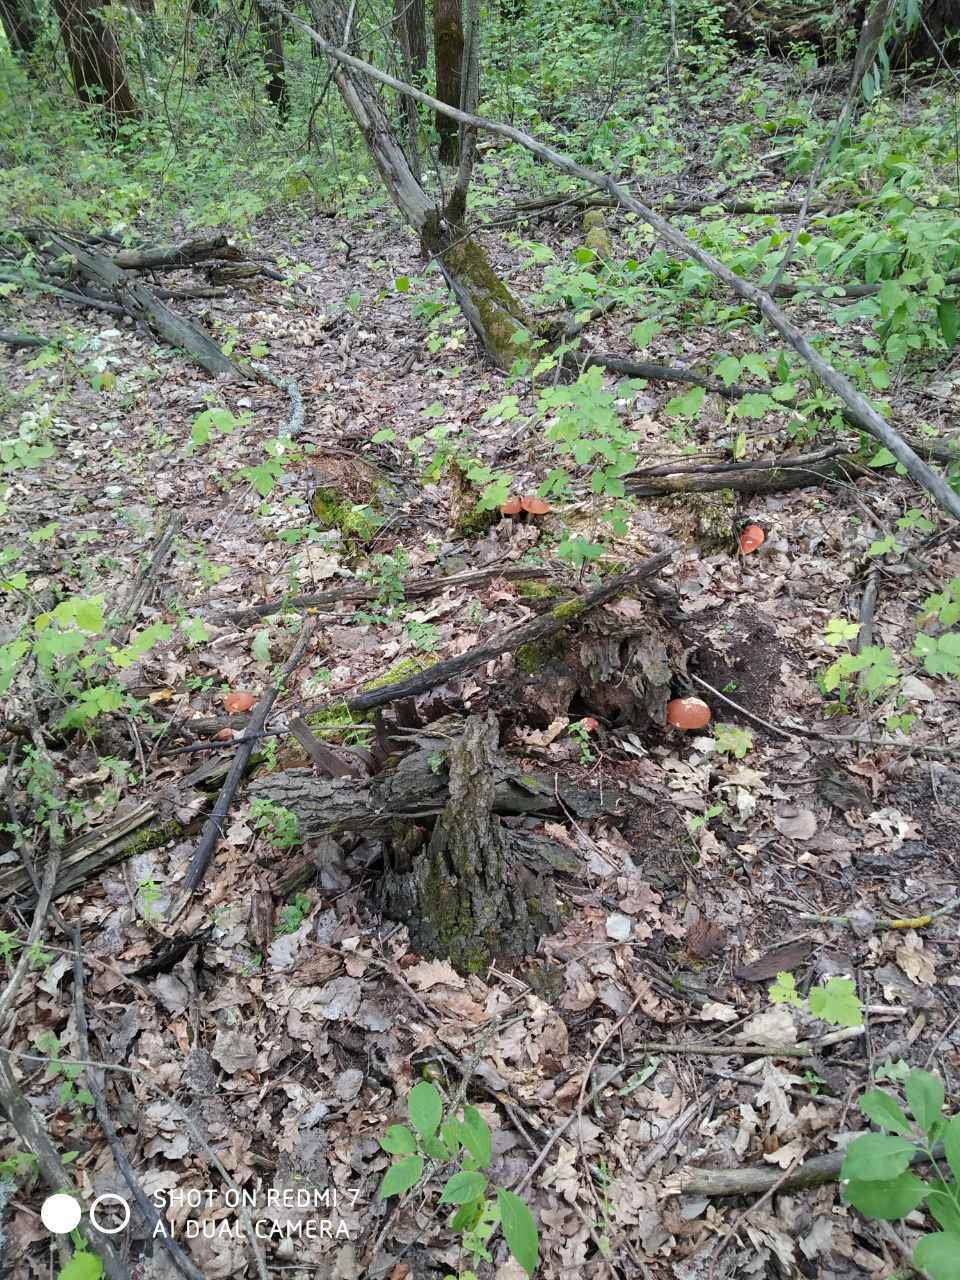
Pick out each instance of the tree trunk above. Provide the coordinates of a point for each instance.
(469, 894)
(410, 28)
(21, 26)
(448, 55)
(271, 35)
(96, 64)
(494, 314)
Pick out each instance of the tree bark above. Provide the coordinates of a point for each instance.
(21, 26)
(96, 63)
(448, 56)
(410, 28)
(271, 36)
(495, 315)
(469, 895)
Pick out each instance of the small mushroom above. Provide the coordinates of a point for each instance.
(239, 701)
(751, 538)
(688, 713)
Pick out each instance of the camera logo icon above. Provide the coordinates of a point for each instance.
(61, 1214)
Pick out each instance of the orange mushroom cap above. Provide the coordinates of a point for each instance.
(238, 701)
(751, 538)
(688, 713)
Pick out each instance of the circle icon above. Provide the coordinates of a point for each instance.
(108, 1197)
(60, 1214)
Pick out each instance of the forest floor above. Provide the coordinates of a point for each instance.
(294, 1050)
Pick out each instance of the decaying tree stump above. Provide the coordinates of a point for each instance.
(470, 895)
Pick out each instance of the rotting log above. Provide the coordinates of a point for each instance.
(412, 789)
(184, 254)
(138, 301)
(142, 829)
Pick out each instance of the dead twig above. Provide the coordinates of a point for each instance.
(213, 826)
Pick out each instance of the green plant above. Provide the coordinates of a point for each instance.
(733, 740)
(294, 913)
(463, 1141)
(149, 892)
(49, 1045)
(835, 1001)
(278, 824)
(83, 1265)
(876, 1174)
(580, 732)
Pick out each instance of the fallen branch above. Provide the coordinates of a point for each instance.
(534, 631)
(135, 299)
(758, 1179)
(213, 826)
(748, 477)
(16, 340)
(359, 593)
(861, 411)
(184, 254)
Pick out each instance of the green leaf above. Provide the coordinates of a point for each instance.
(476, 1137)
(384, 435)
(82, 1266)
(451, 1132)
(876, 1157)
(951, 1146)
(728, 370)
(402, 284)
(261, 646)
(837, 1003)
(463, 1188)
(886, 1198)
(687, 405)
(401, 1176)
(885, 1112)
(756, 404)
(754, 363)
(519, 1230)
(425, 1107)
(435, 1149)
(734, 740)
(784, 990)
(643, 333)
(948, 318)
(399, 1141)
(882, 458)
(925, 1094)
(945, 1209)
(939, 1255)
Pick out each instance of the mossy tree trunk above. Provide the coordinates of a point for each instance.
(448, 58)
(468, 896)
(96, 64)
(494, 314)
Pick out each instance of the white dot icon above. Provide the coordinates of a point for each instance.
(60, 1214)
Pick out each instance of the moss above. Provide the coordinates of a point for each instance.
(567, 611)
(504, 323)
(715, 516)
(331, 511)
(152, 837)
(534, 590)
(598, 239)
(401, 670)
(532, 657)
